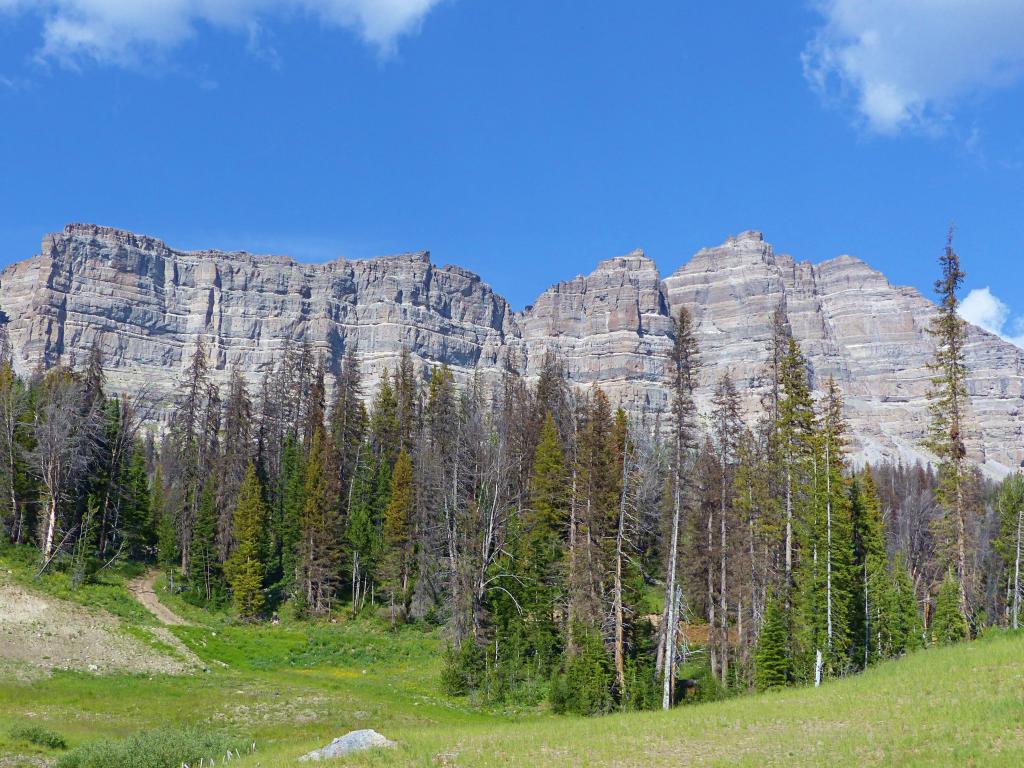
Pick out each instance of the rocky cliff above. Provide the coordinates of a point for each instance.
(147, 304)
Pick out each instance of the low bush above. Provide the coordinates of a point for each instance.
(34, 734)
(162, 748)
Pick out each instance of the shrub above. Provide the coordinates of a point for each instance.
(585, 686)
(464, 669)
(162, 748)
(41, 737)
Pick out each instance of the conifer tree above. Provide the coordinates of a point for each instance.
(236, 451)
(774, 667)
(204, 566)
(872, 617)
(906, 631)
(398, 550)
(139, 533)
(246, 568)
(290, 505)
(167, 540)
(948, 408)
(795, 433)
(597, 499)
(948, 624)
(320, 527)
(727, 427)
(823, 573)
(542, 556)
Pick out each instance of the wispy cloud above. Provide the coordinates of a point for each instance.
(908, 64)
(986, 310)
(125, 32)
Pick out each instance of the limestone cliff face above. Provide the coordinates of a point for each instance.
(147, 304)
(854, 326)
(611, 328)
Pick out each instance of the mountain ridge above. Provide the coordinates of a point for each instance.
(147, 303)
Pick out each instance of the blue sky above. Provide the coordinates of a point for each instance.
(525, 139)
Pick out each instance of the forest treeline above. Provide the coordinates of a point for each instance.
(572, 553)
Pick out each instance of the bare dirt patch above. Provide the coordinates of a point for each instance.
(47, 633)
(144, 590)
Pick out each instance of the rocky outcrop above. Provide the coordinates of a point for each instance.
(147, 304)
(611, 328)
(857, 328)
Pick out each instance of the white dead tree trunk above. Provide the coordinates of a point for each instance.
(828, 542)
(671, 620)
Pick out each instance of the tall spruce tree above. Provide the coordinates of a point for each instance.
(773, 659)
(247, 566)
(398, 557)
(948, 408)
(872, 619)
(948, 623)
(319, 557)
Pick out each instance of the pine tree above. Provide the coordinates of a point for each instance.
(398, 550)
(136, 514)
(795, 435)
(949, 625)
(774, 667)
(363, 530)
(727, 427)
(290, 503)
(246, 568)
(204, 566)
(948, 408)
(167, 540)
(319, 550)
(236, 451)
(872, 608)
(542, 555)
(597, 498)
(906, 631)
(584, 688)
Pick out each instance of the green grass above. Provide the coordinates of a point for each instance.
(293, 687)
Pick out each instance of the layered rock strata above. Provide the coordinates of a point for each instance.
(147, 305)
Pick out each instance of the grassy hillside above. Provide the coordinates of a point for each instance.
(293, 687)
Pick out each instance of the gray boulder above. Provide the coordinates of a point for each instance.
(356, 741)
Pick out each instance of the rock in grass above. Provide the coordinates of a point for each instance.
(356, 741)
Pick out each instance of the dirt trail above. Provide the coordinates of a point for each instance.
(143, 589)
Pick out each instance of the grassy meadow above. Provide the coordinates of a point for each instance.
(292, 687)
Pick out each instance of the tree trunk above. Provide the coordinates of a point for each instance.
(51, 527)
(670, 610)
(712, 622)
(1016, 573)
(828, 550)
(961, 536)
(723, 605)
(620, 664)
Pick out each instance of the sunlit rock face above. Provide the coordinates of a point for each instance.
(147, 305)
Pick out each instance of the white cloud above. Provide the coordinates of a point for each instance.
(908, 63)
(986, 310)
(125, 31)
